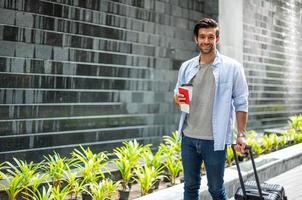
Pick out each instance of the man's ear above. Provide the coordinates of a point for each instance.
(195, 39)
(217, 40)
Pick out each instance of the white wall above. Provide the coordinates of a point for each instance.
(231, 28)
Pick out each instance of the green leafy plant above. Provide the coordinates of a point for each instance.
(105, 189)
(229, 156)
(291, 136)
(173, 142)
(152, 159)
(2, 175)
(75, 183)
(20, 175)
(24, 169)
(125, 167)
(250, 134)
(147, 176)
(36, 194)
(170, 147)
(59, 193)
(296, 122)
(35, 183)
(111, 187)
(173, 165)
(12, 186)
(128, 156)
(283, 139)
(267, 143)
(91, 166)
(256, 145)
(54, 167)
(276, 141)
(132, 150)
(297, 138)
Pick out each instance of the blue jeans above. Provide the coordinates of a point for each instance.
(193, 152)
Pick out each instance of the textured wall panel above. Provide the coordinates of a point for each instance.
(90, 72)
(272, 55)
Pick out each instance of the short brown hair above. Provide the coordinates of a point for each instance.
(206, 23)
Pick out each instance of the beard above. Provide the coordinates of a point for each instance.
(206, 50)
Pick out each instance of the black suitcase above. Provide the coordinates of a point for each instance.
(268, 187)
(252, 190)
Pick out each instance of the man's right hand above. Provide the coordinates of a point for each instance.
(179, 98)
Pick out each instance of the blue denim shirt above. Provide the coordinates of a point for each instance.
(231, 95)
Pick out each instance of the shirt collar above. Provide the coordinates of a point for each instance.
(216, 62)
(217, 59)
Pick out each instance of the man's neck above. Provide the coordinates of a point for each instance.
(207, 58)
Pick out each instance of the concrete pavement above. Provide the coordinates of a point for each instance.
(291, 181)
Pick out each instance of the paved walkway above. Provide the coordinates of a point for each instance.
(292, 182)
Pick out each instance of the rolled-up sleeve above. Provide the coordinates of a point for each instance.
(240, 90)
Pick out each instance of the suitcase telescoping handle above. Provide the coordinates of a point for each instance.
(249, 149)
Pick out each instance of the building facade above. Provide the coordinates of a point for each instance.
(99, 72)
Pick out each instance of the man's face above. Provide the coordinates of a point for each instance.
(207, 40)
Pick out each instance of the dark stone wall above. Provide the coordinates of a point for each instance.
(272, 57)
(91, 72)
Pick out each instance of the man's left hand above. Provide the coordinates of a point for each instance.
(240, 144)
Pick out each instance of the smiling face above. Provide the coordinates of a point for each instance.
(207, 40)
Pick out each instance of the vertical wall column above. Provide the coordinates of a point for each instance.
(231, 28)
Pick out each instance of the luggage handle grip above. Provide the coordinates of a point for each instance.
(249, 148)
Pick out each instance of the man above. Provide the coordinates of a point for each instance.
(219, 89)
